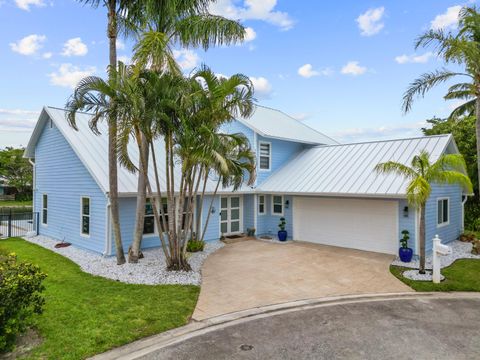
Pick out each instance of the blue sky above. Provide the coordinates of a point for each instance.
(341, 67)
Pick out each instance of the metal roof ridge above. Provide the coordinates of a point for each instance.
(384, 141)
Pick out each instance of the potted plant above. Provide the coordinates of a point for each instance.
(405, 252)
(282, 233)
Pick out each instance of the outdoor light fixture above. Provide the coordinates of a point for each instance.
(287, 203)
(405, 211)
(213, 209)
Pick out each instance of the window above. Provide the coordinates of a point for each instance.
(443, 212)
(149, 219)
(165, 211)
(261, 204)
(45, 209)
(265, 155)
(277, 205)
(85, 214)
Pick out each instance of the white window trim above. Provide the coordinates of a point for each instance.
(283, 206)
(45, 224)
(269, 157)
(82, 234)
(448, 211)
(264, 205)
(155, 230)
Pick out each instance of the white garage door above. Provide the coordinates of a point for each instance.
(360, 224)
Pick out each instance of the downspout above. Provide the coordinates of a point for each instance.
(465, 198)
(33, 184)
(108, 229)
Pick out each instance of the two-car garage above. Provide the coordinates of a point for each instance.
(364, 224)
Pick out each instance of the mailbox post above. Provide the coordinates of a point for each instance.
(438, 250)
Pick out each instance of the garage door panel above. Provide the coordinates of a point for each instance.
(354, 223)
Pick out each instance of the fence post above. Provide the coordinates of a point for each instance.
(9, 225)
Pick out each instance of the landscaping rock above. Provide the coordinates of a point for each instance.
(150, 270)
(414, 275)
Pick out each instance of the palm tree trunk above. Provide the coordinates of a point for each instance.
(112, 139)
(134, 251)
(477, 132)
(421, 269)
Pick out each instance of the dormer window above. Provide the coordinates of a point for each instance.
(265, 156)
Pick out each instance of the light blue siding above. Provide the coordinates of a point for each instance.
(281, 152)
(248, 212)
(448, 232)
(235, 127)
(407, 223)
(61, 175)
(267, 224)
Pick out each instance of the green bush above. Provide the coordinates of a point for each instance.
(20, 298)
(195, 245)
(472, 214)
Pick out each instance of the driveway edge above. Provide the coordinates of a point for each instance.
(147, 345)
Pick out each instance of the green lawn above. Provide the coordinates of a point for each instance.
(85, 315)
(10, 203)
(462, 275)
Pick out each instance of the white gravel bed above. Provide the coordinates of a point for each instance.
(414, 275)
(151, 270)
(460, 250)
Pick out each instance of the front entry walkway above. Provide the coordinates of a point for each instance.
(255, 273)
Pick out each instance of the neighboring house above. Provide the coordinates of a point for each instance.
(329, 193)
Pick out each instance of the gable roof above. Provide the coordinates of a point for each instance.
(92, 150)
(348, 170)
(276, 124)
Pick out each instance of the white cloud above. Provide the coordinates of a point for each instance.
(307, 71)
(187, 59)
(414, 58)
(447, 20)
(262, 87)
(25, 4)
(125, 59)
(370, 22)
(353, 68)
(379, 133)
(68, 75)
(17, 120)
(120, 45)
(253, 10)
(75, 47)
(29, 45)
(250, 34)
(47, 55)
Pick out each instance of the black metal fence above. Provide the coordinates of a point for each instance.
(18, 224)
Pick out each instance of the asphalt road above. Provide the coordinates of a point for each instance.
(394, 329)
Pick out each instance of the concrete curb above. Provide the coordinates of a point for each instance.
(147, 345)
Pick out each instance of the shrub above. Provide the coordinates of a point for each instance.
(195, 245)
(20, 298)
(476, 247)
(468, 236)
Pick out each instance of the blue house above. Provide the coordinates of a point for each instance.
(329, 193)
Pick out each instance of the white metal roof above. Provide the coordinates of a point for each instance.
(348, 170)
(92, 150)
(276, 124)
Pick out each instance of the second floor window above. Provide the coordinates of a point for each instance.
(265, 155)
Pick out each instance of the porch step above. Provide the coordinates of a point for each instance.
(236, 239)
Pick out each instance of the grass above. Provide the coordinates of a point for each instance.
(462, 275)
(85, 314)
(10, 203)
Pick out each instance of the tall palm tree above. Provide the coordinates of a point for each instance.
(461, 48)
(421, 174)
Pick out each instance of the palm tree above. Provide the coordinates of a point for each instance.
(461, 48)
(421, 174)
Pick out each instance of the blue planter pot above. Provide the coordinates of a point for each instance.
(282, 235)
(405, 254)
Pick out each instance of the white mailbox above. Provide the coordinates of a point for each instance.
(438, 250)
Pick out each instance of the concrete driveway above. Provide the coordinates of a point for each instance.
(256, 273)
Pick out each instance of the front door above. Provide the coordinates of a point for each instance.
(230, 215)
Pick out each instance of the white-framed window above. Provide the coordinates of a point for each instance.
(277, 204)
(265, 156)
(85, 216)
(443, 211)
(149, 219)
(261, 204)
(44, 209)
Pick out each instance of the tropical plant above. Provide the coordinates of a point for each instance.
(16, 171)
(460, 48)
(404, 239)
(421, 174)
(282, 224)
